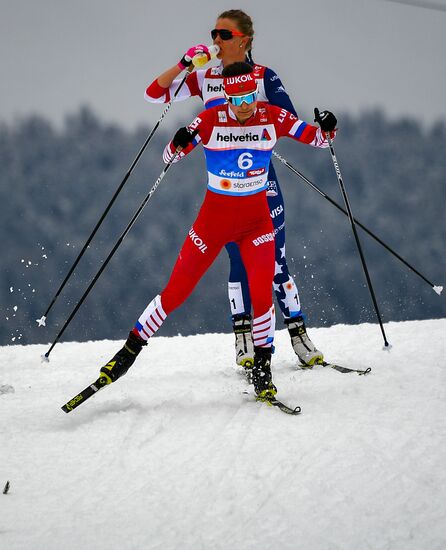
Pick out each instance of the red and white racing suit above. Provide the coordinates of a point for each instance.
(235, 209)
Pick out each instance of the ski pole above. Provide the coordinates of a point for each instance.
(437, 289)
(42, 320)
(352, 223)
(112, 252)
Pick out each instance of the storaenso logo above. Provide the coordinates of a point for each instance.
(198, 242)
(263, 239)
(247, 184)
(231, 137)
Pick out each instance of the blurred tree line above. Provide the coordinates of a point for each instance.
(55, 184)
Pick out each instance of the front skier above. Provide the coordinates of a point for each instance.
(238, 138)
(234, 35)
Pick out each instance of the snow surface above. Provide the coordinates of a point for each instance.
(174, 455)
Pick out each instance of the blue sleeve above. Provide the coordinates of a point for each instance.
(275, 92)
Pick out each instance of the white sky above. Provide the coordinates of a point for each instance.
(337, 54)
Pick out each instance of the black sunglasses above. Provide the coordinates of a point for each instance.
(225, 34)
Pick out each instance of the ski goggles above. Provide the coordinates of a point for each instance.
(225, 34)
(237, 100)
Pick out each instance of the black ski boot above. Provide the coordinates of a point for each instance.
(261, 374)
(124, 359)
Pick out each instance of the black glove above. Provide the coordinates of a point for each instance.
(326, 120)
(185, 62)
(183, 137)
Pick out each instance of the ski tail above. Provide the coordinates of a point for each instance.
(339, 368)
(273, 402)
(284, 408)
(85, 394)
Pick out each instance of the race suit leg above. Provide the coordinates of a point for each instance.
(204, 241)
(257, 252)
(221, 219)
(258, 257)
(238, 289)
(285, 288)
(255, 239)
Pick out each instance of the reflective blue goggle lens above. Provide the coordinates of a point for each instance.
(237, 100)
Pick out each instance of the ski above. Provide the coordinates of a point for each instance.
(272, 401)
(342, 369)
(339, 368)
(85, 394)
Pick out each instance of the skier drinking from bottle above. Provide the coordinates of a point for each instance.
(238, 138)
(234, 34)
